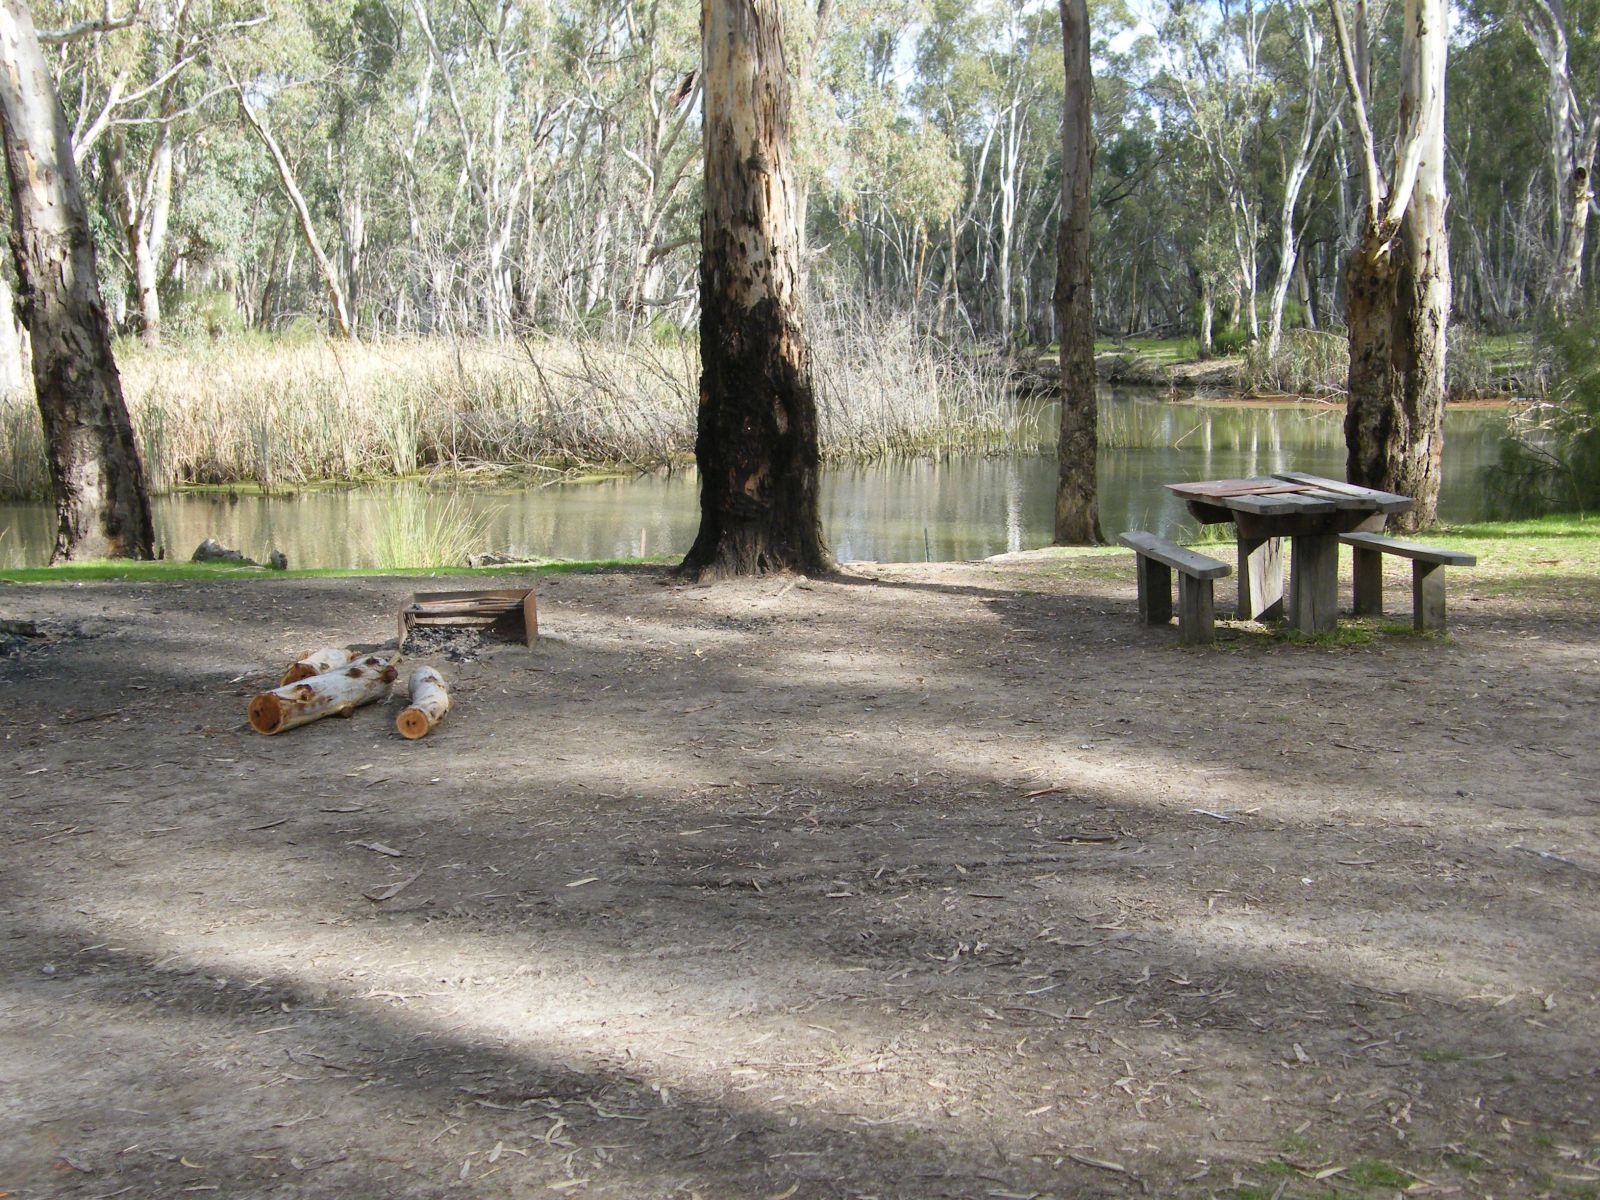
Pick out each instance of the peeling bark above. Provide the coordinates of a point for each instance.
(102, 505)
(756, 442)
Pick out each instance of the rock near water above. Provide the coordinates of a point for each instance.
(212, 550)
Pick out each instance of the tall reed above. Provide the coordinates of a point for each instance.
(427, 530)
(282, 413)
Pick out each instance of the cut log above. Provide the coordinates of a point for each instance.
(429, 703)
(338, 692)
(317, 662)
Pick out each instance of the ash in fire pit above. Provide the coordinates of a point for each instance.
(458, 643)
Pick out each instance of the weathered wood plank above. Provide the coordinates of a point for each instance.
(1412, 550)
(1155, 591)
(1260, 579)
(1180, 558)
(1222, 489)
(1384, 502)
(1287, 504)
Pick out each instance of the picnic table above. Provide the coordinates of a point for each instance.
(1308, 510)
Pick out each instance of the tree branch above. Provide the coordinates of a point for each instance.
(104, 23)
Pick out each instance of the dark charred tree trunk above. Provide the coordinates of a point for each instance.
(757, 442)
(1077, 506)
(102, 505)
(1397, 293)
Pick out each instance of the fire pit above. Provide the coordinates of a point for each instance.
(506, 614)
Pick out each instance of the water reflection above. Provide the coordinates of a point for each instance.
(889, 512)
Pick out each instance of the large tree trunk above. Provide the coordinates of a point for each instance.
(756, 443)
(1370, 432)
(102, 506)
(1398, 280)
(1077, 509)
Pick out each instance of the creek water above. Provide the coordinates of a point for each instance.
(893, 511)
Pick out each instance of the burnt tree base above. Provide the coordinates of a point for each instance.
(756, 448)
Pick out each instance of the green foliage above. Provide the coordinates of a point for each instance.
(473, 174)
(1551, 461)
(1230, 340)
(210, 313)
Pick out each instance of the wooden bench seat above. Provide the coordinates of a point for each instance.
(1427, 575)
(1157, 560)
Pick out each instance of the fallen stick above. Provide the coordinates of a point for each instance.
(335, 692)
(429, 703)
(317, 662)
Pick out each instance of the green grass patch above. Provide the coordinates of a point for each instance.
(1554, 525)
(1369, 1173)
(1166, 351)
(1296, 1143)
(1507, 350)
(1555, 557)
(1464, 1159)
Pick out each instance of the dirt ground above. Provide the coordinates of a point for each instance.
(921, 882)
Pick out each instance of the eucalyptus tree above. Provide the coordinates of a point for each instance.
(102, 504)
(1214, 77)
(1307, 122)
(1499, 171)
(756, 440)
(139, 93)
(989, 77)
(1565, 37)
(1397, 280)
(889, 178)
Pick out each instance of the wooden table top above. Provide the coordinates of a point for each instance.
(1290, 493)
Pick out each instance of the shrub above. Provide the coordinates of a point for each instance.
(1551, 460)
(1230, 341)
(1308, 363)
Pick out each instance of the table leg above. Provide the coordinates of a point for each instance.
(1260, 579)
(1314, 583)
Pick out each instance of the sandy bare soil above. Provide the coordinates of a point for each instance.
(926, 882)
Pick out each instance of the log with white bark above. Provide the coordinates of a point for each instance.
(317, 662)
(338, 692)
(429, 703)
